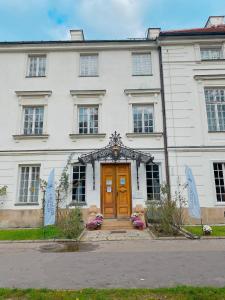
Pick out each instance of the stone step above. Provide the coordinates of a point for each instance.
(114, 224)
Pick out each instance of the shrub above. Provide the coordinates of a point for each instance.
(71, 224)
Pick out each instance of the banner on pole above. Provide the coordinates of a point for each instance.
(193, 200)
(50, 200)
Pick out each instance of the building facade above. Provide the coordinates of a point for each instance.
(103, 110)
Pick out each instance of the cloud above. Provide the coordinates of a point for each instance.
(114, 18)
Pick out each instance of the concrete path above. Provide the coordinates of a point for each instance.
(143, 263)
(116, 235)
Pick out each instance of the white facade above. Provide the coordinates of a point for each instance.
(114, 90)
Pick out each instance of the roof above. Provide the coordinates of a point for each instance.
(213, 30)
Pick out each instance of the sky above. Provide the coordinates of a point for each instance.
(30, 20)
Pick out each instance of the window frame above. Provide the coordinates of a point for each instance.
(148, 73)
(76, 202)
(151, 106)
(81, 74)
(159, 178)
(37, 56)
(208, 104)
(222, 203)
(34, 107)
(208, 48)
(88, 107)
(30, 166)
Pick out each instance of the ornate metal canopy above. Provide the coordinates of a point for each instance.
(115, 151)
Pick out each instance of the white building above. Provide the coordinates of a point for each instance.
(194, 84)
(65, 97)
(68, 97)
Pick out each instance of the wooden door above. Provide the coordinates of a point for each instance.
(116, 190)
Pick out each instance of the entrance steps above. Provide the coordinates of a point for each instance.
(116, 224)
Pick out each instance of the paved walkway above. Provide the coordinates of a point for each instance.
(143, 263)
(115, 235)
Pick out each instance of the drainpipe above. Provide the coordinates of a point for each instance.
(165, 138)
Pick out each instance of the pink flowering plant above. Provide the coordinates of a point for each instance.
(96, 223)
(136, 221)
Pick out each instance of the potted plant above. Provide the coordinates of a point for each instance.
(207, 230)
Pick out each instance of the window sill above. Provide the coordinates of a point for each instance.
(30, 137)
(218, 59)
(142, 75)
(75, 204)
(26, 204)
(75, 136)
(36, 76)
(140, 135)
(220, 204)
(83, 76)
(221, 131)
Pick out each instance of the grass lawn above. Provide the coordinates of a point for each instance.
(49, 232)
(216, 230)
(179, 293)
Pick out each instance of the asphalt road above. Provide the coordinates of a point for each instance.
(147, 263)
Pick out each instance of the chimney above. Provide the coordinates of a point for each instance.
(153, 33)
(76, 35)
(214, 21)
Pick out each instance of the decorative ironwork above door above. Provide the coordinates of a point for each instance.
(115, 151)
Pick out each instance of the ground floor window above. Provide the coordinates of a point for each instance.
(219, 171)
(153, 182)
(29, 184)
(78, 187)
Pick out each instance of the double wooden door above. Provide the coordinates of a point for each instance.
(115, 190)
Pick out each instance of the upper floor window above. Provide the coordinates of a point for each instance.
(153, 182)
(33, 120)
(211, 53)
(219, 171)
(78, 188)
(88, 119)
(143, 118)
(215, 107)
(141, 64)
(36, 65)
(89, 65)
(29, 184)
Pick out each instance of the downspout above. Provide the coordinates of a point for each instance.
(165, 137)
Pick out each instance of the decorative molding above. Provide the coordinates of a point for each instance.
(87, 136)
(33, 93)
(85, 93)
(144, 135)
(134, 92)
(30, 137)
(210, 77)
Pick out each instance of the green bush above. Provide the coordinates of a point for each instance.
(71, 223)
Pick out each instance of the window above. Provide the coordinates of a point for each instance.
(29, 184)
(219, 171)
(78, 189)
(141, 64)
(33, 120)
(88, 120)
(211, 53)
(153, 182)
(215, 107)
(89, 65)
(143, 118)
(36, 65)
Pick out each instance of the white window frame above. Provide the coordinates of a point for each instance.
(215, 105)
(222, 203)
(88, 72)
(30, 166)
(160, 180)
(209, 49)
(138, 71)
(85, 186)
(151, 106)
(34, 112)
(36, 73)
(88, 107)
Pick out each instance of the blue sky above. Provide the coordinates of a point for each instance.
(100, 19)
